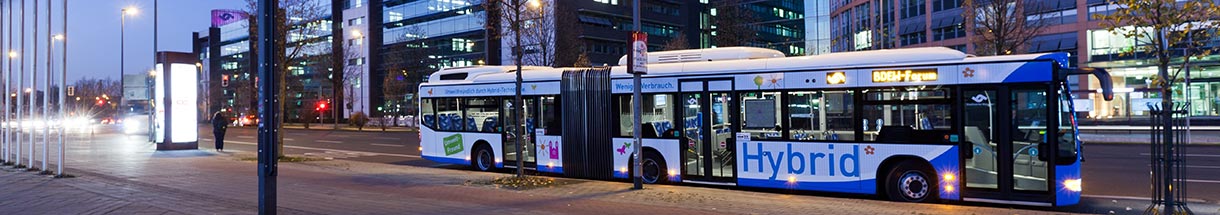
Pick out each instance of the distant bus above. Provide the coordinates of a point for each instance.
(914, 125)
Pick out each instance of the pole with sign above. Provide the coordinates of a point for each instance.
(638, 66)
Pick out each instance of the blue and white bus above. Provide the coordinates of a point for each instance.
(915, 125)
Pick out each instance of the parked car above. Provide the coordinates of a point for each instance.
(245, 120)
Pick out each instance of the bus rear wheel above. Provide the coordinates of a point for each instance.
(910, 182)
(483, 159)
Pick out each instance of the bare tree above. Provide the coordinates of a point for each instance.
(95, 97)
(539, 35)
(1175, 32)
(733, 23)
(300, 36)
(1000, 27)
(352, 74)
(677, 43)
(510, 18)
(408, 61)
(344, 77)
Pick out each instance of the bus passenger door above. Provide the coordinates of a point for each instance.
(528, 148)
(1003, 134)
(708, 142)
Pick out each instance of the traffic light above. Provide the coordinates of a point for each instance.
(321, 106)
(224, 80)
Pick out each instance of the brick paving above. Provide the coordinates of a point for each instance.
(122, 175)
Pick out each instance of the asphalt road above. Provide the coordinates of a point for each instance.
(1116, 177)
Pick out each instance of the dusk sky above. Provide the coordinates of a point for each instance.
(94, 32)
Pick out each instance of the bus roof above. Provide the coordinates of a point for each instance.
(750, 63)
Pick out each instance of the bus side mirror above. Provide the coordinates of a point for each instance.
(1103, 79)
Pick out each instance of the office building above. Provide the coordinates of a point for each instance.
(1069, 27)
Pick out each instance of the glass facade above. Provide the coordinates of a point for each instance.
(779, 24)
(1133, 73)
(309, 74)
(422, 36)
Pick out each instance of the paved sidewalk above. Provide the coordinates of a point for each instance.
(27, 193)
(120, 175)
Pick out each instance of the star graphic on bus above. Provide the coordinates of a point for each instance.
(869, 149)
(968, 72)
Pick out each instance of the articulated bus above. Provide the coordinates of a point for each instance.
(915, 125)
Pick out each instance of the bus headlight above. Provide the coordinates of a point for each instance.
(1073, 185)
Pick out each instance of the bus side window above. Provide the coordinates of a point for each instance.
(428, 116)
(482, 115)
(658, 115)
(820, 115)
(448, 115)
(550, 115)
(924, 112)
(759, 115)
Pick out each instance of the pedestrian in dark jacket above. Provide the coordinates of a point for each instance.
(220, 123)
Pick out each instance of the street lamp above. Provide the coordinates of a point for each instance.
(132, 11)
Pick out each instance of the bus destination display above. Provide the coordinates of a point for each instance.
(904, 75)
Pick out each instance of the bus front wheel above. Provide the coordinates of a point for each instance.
(654, 169)
(483, 160)
(910, 182)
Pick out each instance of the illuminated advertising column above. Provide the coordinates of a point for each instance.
(175, 98)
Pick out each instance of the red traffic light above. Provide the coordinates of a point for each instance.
(321, 106)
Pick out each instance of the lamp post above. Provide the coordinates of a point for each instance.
(122, 52)
(4, 142)
(63, 93)
(33, 130)
(7, 103)
(20, 84)
(59, 167)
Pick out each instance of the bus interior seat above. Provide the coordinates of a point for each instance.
(529, 125)
(489, 124)
(429, 119)
(455, 121)
(444, 121)
(470, 124)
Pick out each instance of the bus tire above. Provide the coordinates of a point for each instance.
(909, 181)
(654, 169)
(483, 159)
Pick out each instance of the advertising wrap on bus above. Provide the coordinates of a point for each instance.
(837, 167)
(914, 125)
(549, 147)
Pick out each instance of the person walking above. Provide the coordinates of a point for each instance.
(220, 123)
